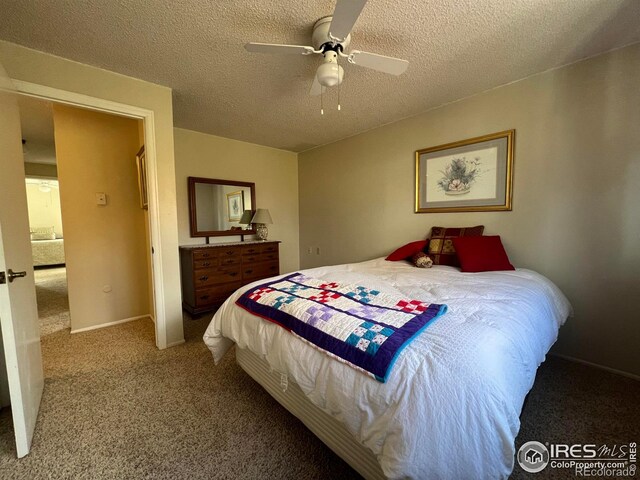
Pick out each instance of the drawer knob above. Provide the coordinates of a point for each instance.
(206, 264)
(233, 274)
(204, 277)
(204, 297)
(205, 255)
(248, 271)
(230, 252)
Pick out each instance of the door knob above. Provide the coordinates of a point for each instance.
(11, 275)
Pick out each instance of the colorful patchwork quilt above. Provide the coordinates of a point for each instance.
(360, 326)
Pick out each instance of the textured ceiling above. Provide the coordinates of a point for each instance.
(36, 121)
(456, 48)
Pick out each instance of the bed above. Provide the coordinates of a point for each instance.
(450, 408)
(47, 252)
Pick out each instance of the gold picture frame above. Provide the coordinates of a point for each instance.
(141, 164)
(472, 175)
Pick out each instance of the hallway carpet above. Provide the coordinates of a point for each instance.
(53, 299)
(116, 407)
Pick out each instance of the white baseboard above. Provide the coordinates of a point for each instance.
(173, 344)
(110, 324)
(595, 365)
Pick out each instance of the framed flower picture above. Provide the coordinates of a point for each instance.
(467, 176)
(235, 205)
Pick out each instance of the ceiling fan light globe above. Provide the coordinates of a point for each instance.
(330, 74)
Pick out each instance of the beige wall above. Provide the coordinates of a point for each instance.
(50, 71)
(275, 173)
(40, 170)
(576, 194)
(105, 246)
(44, 208)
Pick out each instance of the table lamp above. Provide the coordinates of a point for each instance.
(261, 219)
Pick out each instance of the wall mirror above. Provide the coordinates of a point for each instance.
(216, 207)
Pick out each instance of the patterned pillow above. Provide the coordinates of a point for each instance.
(441, 248)
(421, 260)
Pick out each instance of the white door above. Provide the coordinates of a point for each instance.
(18, 308)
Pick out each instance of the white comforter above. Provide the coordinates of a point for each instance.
(47, 252)
(451, 405)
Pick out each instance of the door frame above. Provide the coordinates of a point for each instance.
(147, 116)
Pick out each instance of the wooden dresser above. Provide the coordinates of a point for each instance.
(210, 273)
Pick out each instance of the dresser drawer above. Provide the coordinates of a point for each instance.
(217, 294)
(269, 248)
(229, 260)
(206, 263)
(228, 252)
(260, 270)
(251, 249)
(259, 257)
(212, 276)
(269, 256)
(204, 254)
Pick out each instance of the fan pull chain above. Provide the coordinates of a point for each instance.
(321, 100)
(339, 83)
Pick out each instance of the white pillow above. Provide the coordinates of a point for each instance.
(43, 233)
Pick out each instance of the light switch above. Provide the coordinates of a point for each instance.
(101, 198)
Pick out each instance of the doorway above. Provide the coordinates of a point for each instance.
(65, 97)
(89, 230)
(18, 308)
(45, 214)
(47, 247)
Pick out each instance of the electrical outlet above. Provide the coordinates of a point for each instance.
(309, 250)
(317, 250)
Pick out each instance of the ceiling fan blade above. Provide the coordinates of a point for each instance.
(316, 87)
(345, 16)
(394, 66)
(278, 49)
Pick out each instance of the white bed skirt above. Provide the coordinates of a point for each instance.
(325, 427)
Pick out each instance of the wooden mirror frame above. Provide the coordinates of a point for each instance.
(192, 207)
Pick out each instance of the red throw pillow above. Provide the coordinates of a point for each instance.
(441, 249)
(482, 254)
(407, 251)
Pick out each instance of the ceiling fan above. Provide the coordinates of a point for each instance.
(331, 38)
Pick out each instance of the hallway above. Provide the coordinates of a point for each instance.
(53, 299)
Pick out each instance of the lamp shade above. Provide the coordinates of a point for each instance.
(245, 219)
(262, 216)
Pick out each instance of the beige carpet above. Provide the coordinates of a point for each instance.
(116, 407)
(53, 300)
